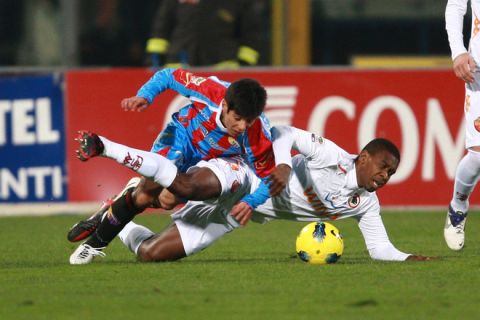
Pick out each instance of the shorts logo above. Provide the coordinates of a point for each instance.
(476, 124)
(234, 166)
(354, 201)
(134, 163)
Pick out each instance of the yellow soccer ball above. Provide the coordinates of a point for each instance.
(319, 243)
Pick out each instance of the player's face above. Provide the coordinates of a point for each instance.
(374, 171)
(234, 123)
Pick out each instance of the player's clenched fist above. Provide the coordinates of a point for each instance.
(464, 67)
(134, 104)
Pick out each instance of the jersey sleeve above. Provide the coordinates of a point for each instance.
(454, 14)
(209, 91)
(376, 239)
(319, 151)
(263, 157)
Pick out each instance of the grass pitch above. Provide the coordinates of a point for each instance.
(252, 273)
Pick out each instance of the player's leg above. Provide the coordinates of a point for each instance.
(131, 203)
(197, 224)
(165, 246)
(200, 186)
(195, 227)
(84, 228)
(121, 212)
(466, 176)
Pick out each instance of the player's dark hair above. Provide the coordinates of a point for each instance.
(247, 98)
(381, 144)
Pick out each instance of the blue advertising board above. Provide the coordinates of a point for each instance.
(32, 143)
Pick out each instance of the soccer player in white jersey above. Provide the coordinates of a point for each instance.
(326, 183)
(465, 67)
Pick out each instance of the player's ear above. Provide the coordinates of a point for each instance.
(363, 157)
(224, 106)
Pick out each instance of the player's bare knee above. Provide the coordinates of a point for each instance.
(147, 253)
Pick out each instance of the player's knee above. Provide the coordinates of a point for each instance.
(148, 253)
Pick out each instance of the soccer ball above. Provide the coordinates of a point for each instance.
(319, 243)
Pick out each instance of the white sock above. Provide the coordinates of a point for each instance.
(133, 235)
(148, 164)
(466, 177)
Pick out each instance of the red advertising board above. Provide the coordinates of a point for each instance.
(420, 110)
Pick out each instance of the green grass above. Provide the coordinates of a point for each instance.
(250, 274)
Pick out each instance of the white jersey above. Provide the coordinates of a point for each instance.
(322, 186)
(454, 13)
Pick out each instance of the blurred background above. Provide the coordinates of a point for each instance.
(74, 33)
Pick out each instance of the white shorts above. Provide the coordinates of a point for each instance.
(201, 223)
(472, 117)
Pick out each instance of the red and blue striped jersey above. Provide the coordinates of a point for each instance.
(199, 123)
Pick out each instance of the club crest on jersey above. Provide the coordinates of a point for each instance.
(197, 80)
(233, 142)
(354, 201)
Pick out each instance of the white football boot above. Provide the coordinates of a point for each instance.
(85, 254)
(454, 231)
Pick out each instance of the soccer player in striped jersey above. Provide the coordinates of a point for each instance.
(326, 183)
(222, 120)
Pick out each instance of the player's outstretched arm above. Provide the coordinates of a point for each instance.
(376, 239)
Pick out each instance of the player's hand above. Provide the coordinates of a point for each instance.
(419, 258)
(134, 104)
(278, 180)
(464, 67)
(242, 212)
